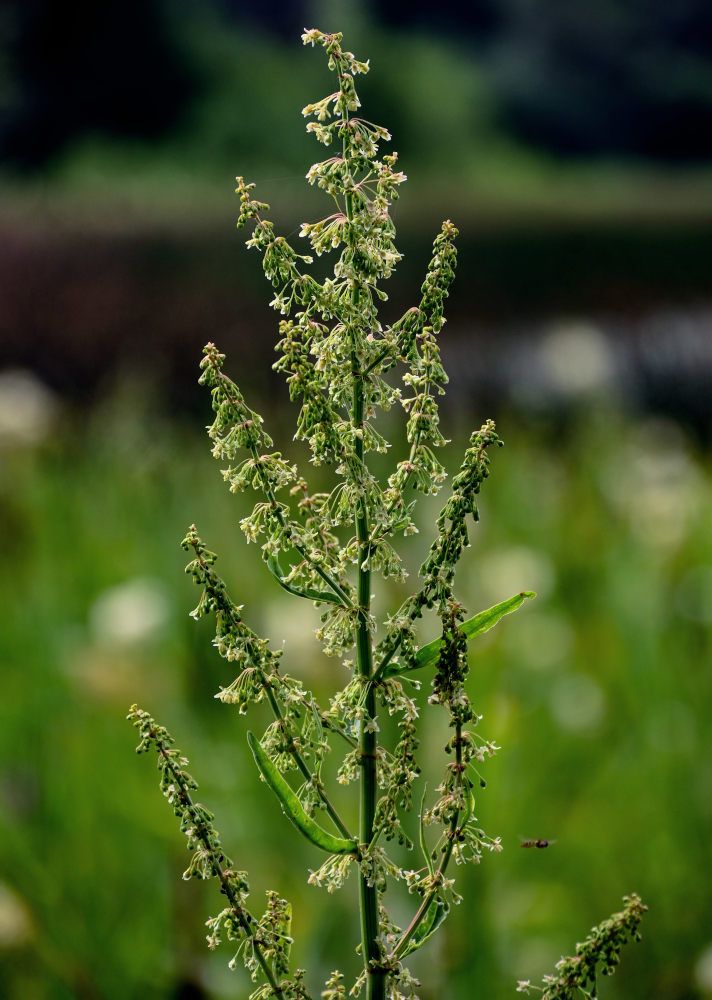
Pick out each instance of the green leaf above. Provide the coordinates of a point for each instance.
(427, 655)
(293, 808)
(275, 569)
(288, 939)
(423, 843)
(436, 913)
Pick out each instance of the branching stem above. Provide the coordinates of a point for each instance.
(440, 871)
(292, 747)
(343, 597)
(368, 740)
(243, 917)
(299, 761)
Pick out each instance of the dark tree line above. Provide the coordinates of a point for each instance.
(595, 77)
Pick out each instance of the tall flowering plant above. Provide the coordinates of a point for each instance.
(343, 366)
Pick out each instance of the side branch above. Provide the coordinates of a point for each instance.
(246, 432)
(220, 602)
(243, 916)
(196, 822)
(438, 875)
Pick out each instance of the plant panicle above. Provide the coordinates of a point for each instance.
(576, 974)
(340, 362)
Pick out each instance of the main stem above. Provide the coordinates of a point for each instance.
(368, 740)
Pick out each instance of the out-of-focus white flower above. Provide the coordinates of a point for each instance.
(577, 703)
(27, 409)
(577, 359)
(655, 482)
(129, 613)
(703, 971)
(503, 572)
(15, 922)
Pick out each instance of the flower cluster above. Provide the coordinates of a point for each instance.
(400, 769)
(207, 857)
(264, 944)
(576, 974)
(234, 639)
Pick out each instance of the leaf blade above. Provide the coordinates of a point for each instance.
(275, 569)
(436, 914)
(477, 625)
(293, 809)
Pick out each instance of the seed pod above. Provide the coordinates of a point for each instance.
(293, 808)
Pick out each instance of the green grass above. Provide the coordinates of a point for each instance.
(599, 693)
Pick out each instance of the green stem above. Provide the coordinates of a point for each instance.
(444, 861)
(368, 741)
(299, 760)
(245, 919)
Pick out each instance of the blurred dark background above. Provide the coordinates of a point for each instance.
(572, 146)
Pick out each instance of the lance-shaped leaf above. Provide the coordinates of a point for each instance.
(436, 913)
(427, 655)
(293, 808)
(273, 565)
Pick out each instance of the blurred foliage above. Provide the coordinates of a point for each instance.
(155, 103)
(590, 78)
(598, 693)
(114, 68)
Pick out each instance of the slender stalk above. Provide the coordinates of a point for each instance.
(343, 597)
(269, 492)
(368, 740)
(244, 919)
(299, 761)
(378, 674)
(334, 727)
(292, 747)
(444, 861)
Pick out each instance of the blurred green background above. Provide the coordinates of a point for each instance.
(572, 145)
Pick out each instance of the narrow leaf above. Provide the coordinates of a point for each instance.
(437, 912)
(293, 808)
(423, 842)
(427, 655)
(311, 595)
